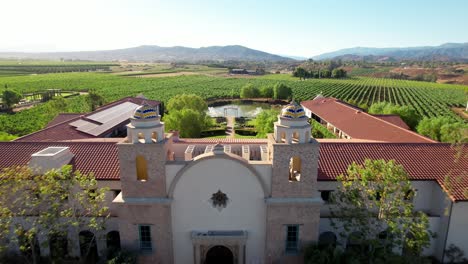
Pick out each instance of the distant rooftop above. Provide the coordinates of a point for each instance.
(361, 125)
(95, 124)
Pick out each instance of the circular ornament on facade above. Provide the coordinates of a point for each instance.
(219, 200)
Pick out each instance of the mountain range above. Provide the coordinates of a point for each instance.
(157, 53)
(444, 52)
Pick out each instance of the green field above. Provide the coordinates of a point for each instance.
(26, 67)
(429, 99)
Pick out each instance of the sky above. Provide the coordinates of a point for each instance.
(294, 27)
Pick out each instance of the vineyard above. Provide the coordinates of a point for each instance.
(8, 68)
(429, 99)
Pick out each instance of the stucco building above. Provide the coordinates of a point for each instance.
(176, 200)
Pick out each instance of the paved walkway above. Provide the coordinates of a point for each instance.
(231, 121)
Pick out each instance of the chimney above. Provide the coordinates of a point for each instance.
(50, 158)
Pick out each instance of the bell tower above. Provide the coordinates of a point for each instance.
(142, 205)
(295, 203)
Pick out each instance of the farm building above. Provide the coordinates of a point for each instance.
(184, 200)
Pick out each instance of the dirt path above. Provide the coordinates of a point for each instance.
(460, 111)
(230, 133)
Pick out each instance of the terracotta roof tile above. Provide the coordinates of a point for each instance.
(359, 124)
(394, 119)
(99, 158)
(422, 161)
(63, 117)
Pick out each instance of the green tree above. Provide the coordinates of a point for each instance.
(94, 99)
(48, 204)
(10, 98)
(407, 113)
(187, 113)
(263, 122)
(444, 129)
(189, 122)
(281, 91)
(249, 91)
(266, 91)
(187, 101)
(338, 73)
(300, 72)
(377, 197)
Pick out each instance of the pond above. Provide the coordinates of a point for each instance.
(238, 109)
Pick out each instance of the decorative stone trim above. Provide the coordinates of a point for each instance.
(203, 241)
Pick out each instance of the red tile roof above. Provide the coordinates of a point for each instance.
(99, 158)
(422, 161)
(63, 117)
(64, 131)
(358, 124)
(394, 119)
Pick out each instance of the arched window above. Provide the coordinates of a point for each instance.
(142, 168)
(295, 169)
(141, 136)
(113, 243)
(154, 136)
(295, 136)
(283, 136)
(58, 246)
(327, 239)
(88, 247)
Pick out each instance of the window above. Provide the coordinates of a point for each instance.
(326, 195)
(295, 169)
(154, 136)
(145, 238)
(142, 170)
(292, 239)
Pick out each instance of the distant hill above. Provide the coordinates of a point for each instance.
(445, 52)
(157, 53)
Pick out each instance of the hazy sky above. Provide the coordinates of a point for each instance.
(302, 28)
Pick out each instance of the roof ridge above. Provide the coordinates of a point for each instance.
(47, 128)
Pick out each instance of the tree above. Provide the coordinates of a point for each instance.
(373, 205)
(48, 204)
(94, 99)
(10, 98)
(300, 72)
(266, 91)
(189, 122)
(264, 122)
(338, 73)
(249, 91)
(407, 113)
(187, 113)
(187, 101)
(443, 129)
(281, 91)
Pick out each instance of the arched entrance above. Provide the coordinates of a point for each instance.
(219, 255)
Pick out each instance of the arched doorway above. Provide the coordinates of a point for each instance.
(219, 255)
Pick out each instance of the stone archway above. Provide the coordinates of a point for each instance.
(219, 255)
